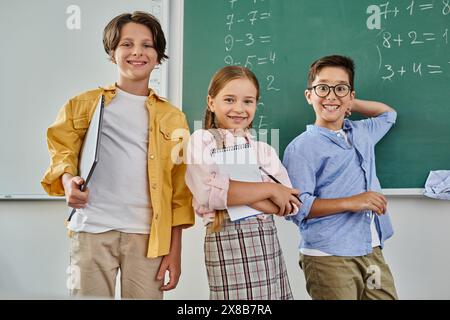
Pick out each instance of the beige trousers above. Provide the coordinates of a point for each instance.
(95, 259)
(349, 278)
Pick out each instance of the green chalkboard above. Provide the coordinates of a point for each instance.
(401, 50)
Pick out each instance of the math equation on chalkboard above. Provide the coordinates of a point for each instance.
(249, 42)
(413, 30)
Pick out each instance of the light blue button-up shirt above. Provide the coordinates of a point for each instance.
(322, 164)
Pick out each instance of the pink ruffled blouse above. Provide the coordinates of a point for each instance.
(208, 186)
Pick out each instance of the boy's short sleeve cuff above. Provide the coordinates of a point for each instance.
(52, 183)
(305, 208)
(391, 116)
(183, 216)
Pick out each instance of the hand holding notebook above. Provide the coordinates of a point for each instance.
(240, 163)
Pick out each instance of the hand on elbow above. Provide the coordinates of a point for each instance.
(285, 198)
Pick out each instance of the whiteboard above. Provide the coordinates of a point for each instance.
(52, 50)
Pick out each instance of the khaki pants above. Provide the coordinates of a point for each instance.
(95, 259)
(348, 278)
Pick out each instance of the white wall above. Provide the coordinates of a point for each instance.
(34, 246)
(34, 251)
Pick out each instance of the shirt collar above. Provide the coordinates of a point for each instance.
(347, 126)
(332, 135)
(111, 89)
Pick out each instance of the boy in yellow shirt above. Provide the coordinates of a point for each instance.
(131, 216)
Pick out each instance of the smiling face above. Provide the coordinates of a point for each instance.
(330, 110)
(235, 104)
(135, 54)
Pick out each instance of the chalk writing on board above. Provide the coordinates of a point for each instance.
(396, 9)
(248, 41)
(391, 38)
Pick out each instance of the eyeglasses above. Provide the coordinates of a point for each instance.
(323, 90)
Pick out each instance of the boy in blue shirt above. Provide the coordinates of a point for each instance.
(343, 220)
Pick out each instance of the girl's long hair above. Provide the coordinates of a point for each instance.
(218, 82)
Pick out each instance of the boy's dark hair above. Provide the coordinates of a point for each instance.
(111, 33)
(343, 62)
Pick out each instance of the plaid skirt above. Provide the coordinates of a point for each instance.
(244, 261)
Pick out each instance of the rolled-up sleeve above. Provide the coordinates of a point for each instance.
(378, 126)
(303, 177)
(182, 213)
(269, 160)
(64, 143)
(281, 175)
(208, 186)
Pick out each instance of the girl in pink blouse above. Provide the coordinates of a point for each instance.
(243, 258)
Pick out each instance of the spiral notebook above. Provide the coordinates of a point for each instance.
(240, 163)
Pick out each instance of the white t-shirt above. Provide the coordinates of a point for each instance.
(119, 197)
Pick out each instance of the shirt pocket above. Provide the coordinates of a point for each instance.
(166, 144)
(81, 123)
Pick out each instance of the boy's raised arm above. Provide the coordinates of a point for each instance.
(370, 108)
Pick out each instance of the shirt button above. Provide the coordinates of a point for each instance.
(151, 129)
(156, 217)
(152, 157)
(154, 185)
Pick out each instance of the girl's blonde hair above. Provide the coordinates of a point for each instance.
(218, 82)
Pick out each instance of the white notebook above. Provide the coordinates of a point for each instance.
(240, 163)
(89, 153)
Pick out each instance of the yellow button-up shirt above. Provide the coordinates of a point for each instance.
(168, 135)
